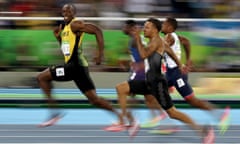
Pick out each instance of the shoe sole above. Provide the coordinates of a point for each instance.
(50, 122)
(164, 131)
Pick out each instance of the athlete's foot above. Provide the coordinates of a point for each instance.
(133, 129)
(154, 122)
(224, 121)
(115, 127)
(209, 135)
(52, 120)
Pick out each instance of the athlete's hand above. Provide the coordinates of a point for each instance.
(57, 31)
(183, 69)
(188, 66)
(98, 60)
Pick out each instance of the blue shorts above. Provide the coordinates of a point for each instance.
(137, 75)
(180, 82)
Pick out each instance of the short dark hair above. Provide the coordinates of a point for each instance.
(173, 22)
(156, 23)
(72, 7)
(131, 22)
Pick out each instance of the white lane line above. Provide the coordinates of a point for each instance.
(107, 143)
(149, 136)
(69, 130)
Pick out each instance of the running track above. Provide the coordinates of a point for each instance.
(93, 134)
(85, 126)
(19, 125)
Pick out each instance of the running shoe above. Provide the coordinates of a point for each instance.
(54, 118)
(209, 138)
(224, 121)
(116, 127)
(133, 129)
(154, 122)
(164, 131)
(171, 89)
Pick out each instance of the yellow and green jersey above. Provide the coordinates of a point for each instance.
(71, 46)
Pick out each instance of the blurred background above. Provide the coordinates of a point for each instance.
(28, 46)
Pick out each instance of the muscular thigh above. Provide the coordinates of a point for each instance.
(79, 74)
(138, 87)
(83, 80)
(159, 89)
(183, 87)
(180, 82)
(62, 72)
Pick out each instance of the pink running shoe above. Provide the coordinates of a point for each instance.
(224, 121)
(115, 128)
(210, 137)
(133, 129)
(52, 121)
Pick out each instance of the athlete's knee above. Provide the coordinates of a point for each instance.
(149, 98)
(40, 77)
(122, 88)
(44, 76)
(192, 100)
(92, 97)
(95, 101)
(172, 112)
(196, 102)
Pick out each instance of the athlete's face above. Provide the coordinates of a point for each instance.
(67, 13)
(148, 29)
(128, 29)
(165, 27)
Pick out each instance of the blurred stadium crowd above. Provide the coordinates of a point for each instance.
(30, 43)
(117, 8)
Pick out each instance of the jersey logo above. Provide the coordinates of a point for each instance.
(60, 72)
(146, 64)
(180, 82)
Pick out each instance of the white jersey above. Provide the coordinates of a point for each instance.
(176, 47)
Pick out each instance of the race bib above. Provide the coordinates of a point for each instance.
(180, 82)
(60, 72)
(65, 48)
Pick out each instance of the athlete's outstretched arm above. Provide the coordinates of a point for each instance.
(187, 48)
(92, 29)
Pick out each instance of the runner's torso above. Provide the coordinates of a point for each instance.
(71, 46)
(176, 47)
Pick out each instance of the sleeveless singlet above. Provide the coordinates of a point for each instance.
(176, 47)
(153, 66)
(71, 46)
